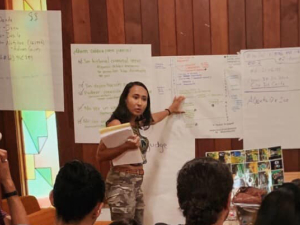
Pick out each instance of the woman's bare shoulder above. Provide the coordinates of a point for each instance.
(114, 123)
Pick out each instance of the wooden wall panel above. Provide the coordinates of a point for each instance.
(236, 144)
(98, 16)
(184, 27)
(271, 25)
(289, 23)
(222, 144)
(254, 24)
(115, 21)
(204, 145)
(202, 27)
(167, 33)
(2, 4)
(219, 26)
(291, 160)
(211, 145)
(237, 29)
(54, 5)
(150, 29)
(133, 24)
(81, 21)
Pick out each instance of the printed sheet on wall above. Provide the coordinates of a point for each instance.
(31, 75)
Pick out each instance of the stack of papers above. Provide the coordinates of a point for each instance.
(115, 136)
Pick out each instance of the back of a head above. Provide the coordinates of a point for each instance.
(281, 206)
(203, 188)
(296, 182)
(78, 188)
(125, 222)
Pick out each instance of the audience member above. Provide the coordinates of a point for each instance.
(204, 189)
(125, 222)
(297, 182)
(16, 208)
(78, 194)
(281, 206)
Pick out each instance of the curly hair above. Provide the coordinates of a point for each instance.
(122, 113)
(203, 188)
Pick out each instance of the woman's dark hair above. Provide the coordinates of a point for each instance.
(203, 188)
(122, 113)
(281, 206)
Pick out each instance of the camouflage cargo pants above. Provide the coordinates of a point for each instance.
(125, 196)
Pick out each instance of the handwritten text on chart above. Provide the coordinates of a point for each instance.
(257, 100)
(15, 44)
(288, 56)
(160, 146)
(100, 73)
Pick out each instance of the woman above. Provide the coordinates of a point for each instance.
(123, 183)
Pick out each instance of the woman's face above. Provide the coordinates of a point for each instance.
(136, 100)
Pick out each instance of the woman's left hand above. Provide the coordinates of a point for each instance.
(175, 106)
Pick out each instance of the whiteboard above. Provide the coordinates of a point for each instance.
(100, 73)
(31, 75)
(271, 108)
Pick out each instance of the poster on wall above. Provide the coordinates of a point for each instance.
(99, 74)
(31, 65)
(271, 93)
(261, 168)
(212, 89)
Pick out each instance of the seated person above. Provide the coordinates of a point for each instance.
(16, 208)
(297, 182)
(204, 189)
(281, 206)
(125, 222)
(78, 194)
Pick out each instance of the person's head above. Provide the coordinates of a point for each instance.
(134, 103)
(203, 189)
(281, 206)
(296, 182)
(125, 222)
(78, 192)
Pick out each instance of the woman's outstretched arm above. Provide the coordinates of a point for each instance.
(174, 108)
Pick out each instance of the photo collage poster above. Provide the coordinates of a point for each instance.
(261, 168)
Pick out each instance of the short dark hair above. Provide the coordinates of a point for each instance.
(281, 206)
(296, 182)
(203, 188)
(122, 113)
(77, 190)
(125, 222)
